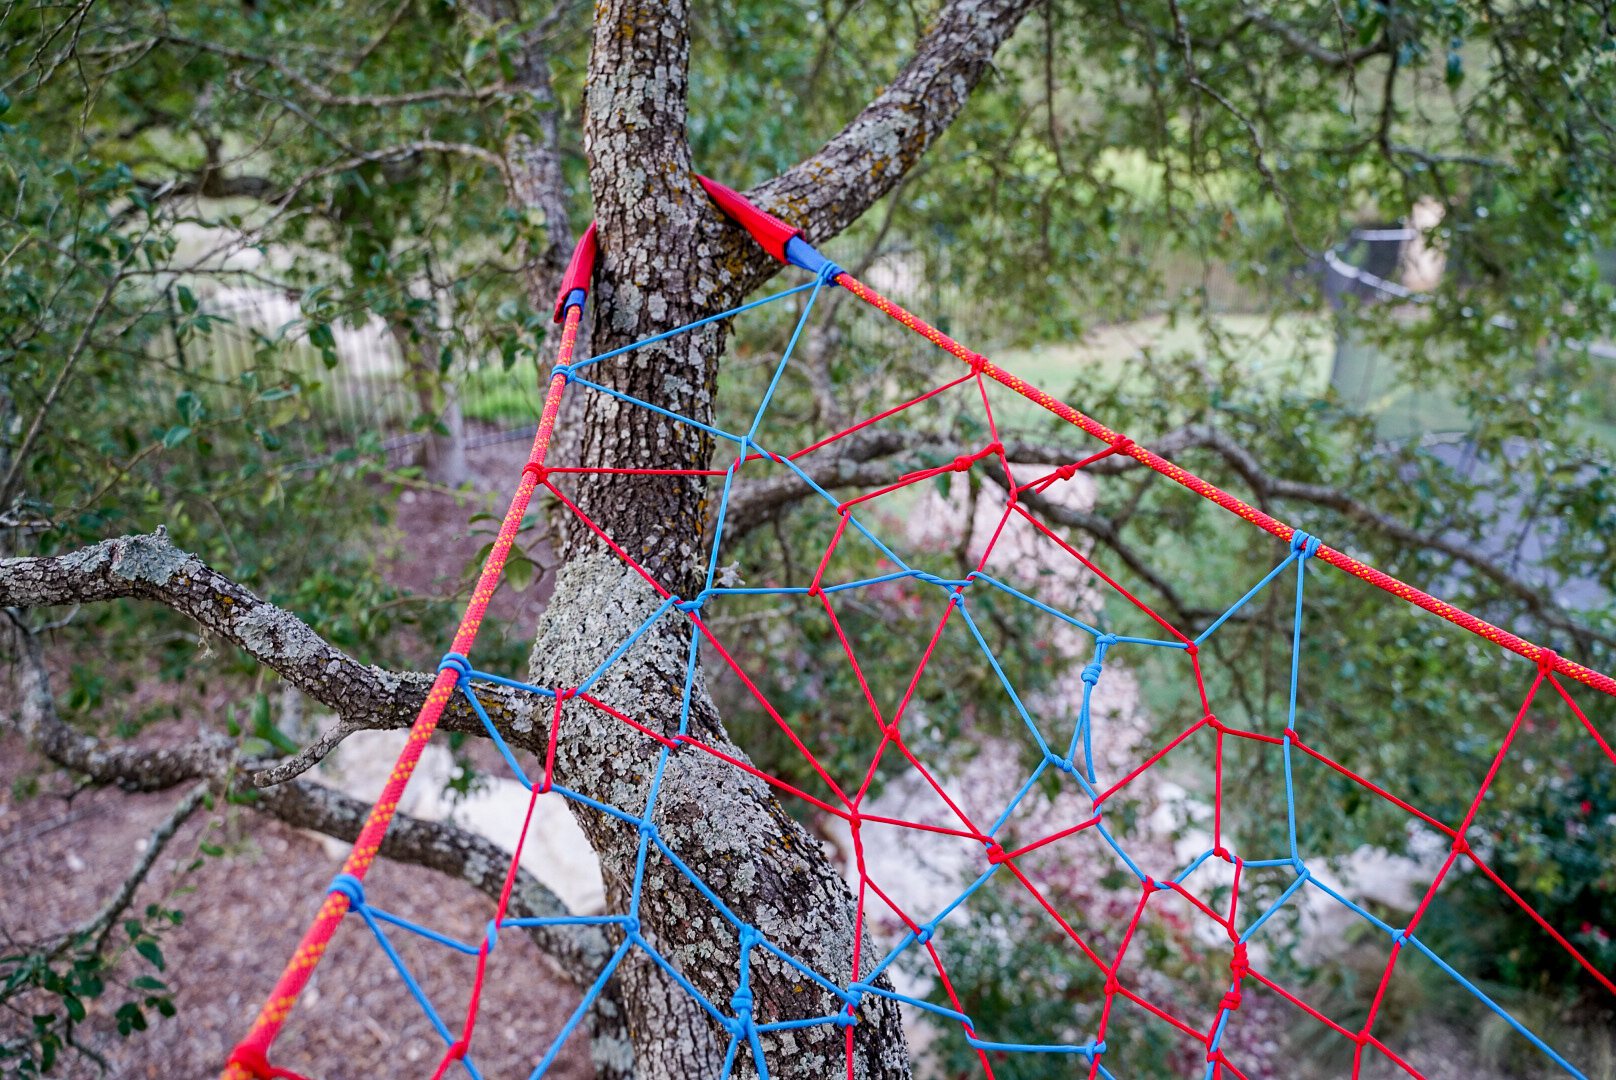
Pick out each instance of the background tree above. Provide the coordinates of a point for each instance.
(426, 165)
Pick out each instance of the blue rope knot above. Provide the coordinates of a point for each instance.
(1400, 936)
(828, 272)
(348, 886)
(491, 934)
(1307, 545)
(646, 828)
(924, 935)
(1097, 1048)
(1091, 673)
(1060, 763)
(749, 937)
(1301, 869)
(563, 370)
(631, 926)
(741, 1002)
(1105, 640)
(688, 606)
(458, 662)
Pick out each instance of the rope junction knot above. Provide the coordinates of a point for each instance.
(1239, 964)
(351, 887)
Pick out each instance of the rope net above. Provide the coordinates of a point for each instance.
(1209, 883)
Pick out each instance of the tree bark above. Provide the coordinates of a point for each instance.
(667, 259)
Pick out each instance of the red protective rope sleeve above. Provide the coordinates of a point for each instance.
(765, 228)
(580, 270)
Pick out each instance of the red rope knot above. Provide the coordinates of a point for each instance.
(1290, 733)
(1461, 845)
(1239, 965)
(458, 1050)
(1222, 852)
(996, 853)
(1215, 724)
(1066, 472)
(963, 463)
(1546, 659)
(1111, 984)
(1231, 1001)
(539, 472)
(1121, 445)
(1192, 649)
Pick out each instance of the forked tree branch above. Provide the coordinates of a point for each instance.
(833, 187)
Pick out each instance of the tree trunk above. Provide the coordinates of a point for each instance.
(668, 259)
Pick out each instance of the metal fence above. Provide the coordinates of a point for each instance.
(367, 392)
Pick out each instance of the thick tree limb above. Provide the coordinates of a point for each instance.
(828, 191)
(150, 567)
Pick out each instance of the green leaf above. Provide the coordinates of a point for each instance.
(149, 949)
(176, 435)
(519, 572)
(186, 298)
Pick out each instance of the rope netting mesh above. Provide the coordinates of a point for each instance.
(1069, 761)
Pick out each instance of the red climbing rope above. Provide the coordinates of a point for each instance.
(249, 1059)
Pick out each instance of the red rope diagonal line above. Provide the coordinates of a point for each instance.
(1459, 845)
(1340, 560)
(249, 1058)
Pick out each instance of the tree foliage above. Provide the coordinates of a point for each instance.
(1173, 159)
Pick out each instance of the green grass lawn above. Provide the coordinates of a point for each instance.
(1273, 349)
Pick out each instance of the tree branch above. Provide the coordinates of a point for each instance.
(828, 191)
(1316, 51)
(150, 567)
(321, 96)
